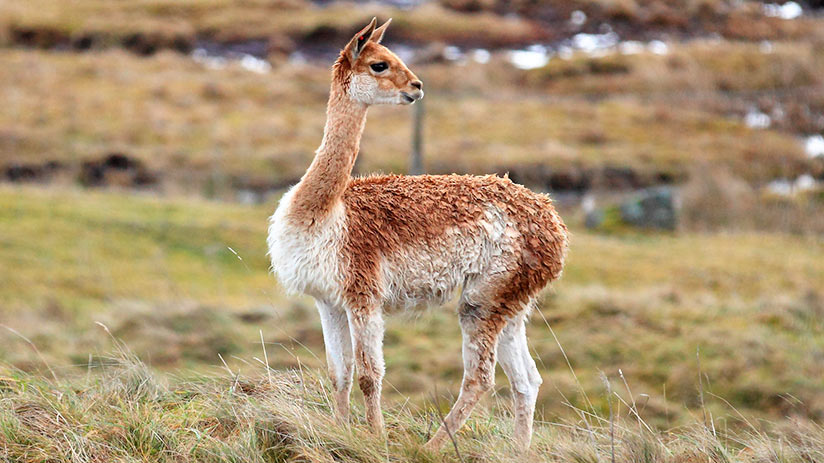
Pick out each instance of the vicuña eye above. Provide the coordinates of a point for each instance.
(379, 67)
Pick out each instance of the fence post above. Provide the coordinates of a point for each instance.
(416, 158)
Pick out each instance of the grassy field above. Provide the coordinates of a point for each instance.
(202, 129)
(128, 414)
(181, 281)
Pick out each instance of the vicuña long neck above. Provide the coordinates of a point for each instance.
(324, 182)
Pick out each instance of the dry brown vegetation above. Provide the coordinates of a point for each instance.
(148, 26)
(202, 129)
(125, 413)
(645, 18)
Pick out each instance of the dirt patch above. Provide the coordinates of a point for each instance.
(149, 44)
(32, 172)
(139, 43)
(38, 37)
(579, 179)
(116, 169)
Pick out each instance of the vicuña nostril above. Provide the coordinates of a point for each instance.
(417, 84)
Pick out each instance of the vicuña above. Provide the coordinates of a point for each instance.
(364, 246)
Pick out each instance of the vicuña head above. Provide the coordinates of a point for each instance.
(361, 246)
(371, 74)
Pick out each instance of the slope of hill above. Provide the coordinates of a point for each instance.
(127, 414)
(181, 281)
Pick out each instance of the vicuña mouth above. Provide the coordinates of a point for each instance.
(407, 98)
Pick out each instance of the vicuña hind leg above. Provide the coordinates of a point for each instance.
(339, 356)
(513, 355)
(366, 326)
(480, 336)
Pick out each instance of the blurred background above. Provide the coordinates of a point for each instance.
(144, 143)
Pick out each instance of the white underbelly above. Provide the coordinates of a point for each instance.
(431, 274)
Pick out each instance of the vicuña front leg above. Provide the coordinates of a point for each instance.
(514, 357)
(366, 327)
(339, 356)
(480, 336)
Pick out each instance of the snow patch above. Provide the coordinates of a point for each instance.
(756, 119)
(814, 146)
(578, 18)
(658, 47)
(789, 10)
(785, 187)
(481, 56)
(533, 57)
(631, 47)
(248, 62)
(805, 182)
(200, 55)
(781, 187)
(592, 43)
(452, 53)
(405, 52)
(254, 64)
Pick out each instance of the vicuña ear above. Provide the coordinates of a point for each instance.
(355, 46)
(377, 36)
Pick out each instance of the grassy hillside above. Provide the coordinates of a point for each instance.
(146, 26)
(181, 281)
(127, 414)
(203, 130)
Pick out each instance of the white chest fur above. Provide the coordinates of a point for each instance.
(307, 260)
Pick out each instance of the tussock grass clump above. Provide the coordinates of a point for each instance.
(126, 414)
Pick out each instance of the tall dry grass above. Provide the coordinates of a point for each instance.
(123, 412)
(716, 199)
